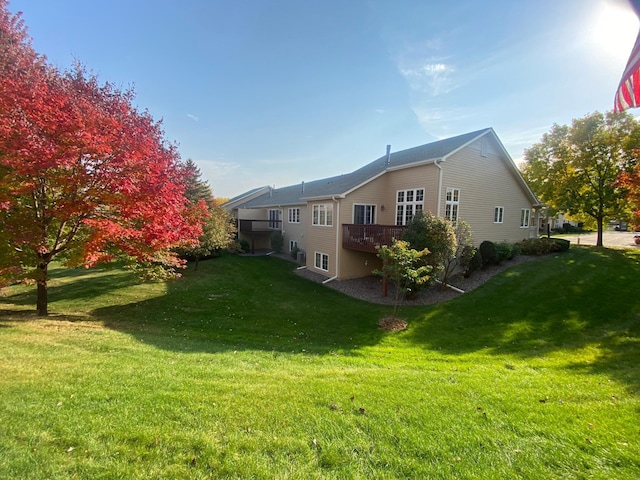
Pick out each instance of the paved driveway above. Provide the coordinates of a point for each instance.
(609, 239)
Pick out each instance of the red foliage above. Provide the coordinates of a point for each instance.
(631, 182)
(81, 170)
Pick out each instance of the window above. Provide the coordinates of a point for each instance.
(323, 214)
(293, 244)
(364, 214)
(322, 261)
(525, 216)
(451, 205)
(408, 203)
(498, 215)
(294, 215)
(274, 218)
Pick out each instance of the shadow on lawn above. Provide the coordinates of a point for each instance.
(584, 297)
(243, 303)
(93, 283)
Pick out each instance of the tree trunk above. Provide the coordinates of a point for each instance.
(599, 237)
(42, 302)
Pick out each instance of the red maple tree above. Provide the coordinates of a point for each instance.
(630, 180)
(84, 175)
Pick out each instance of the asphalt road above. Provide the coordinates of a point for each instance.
(609, 239)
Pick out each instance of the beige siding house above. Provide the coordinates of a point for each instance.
(338, 222)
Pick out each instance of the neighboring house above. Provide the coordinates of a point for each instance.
(339, 221)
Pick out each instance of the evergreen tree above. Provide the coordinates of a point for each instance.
(218, 229)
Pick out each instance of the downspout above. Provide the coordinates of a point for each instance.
(437, 164)
(337, 222)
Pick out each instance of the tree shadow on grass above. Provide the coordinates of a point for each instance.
(584, 297)
(71, 285)
(240, 303)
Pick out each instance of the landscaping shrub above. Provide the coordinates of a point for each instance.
(562, 243)
(294, 252)
(437, 235)
(277, 241)
(475, 263)
(505, 251)
(466, 258)
(542, 246)
(244, 245)
(489, 253)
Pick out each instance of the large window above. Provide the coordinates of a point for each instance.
(322, 261)
(525, 216)
(364, 214)
(498, 215)
(323, 214)
(451, 205)
(294, 215)
(408, 202)
(274, 219)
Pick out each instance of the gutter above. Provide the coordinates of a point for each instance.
(436, 162)
(455, 289)
(337, 223)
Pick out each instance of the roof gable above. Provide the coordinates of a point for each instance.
(341, 185)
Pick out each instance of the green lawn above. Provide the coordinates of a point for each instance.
(244, 370)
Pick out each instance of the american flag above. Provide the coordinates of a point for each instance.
(628, 93)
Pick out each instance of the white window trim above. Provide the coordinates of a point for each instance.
(328, 215)
(292, 244)
(416, 205)
(452, 203)
(320, 256)
(501, 217)
(525, 218)
(295, 213)
(373, 219)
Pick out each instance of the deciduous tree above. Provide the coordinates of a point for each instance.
(84, 176)
(574, 168)
(630, 181)
(218, 229)
(435, 234)
(403, 266)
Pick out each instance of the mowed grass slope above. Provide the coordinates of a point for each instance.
(244, 370)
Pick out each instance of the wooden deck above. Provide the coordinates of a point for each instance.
(366, 238)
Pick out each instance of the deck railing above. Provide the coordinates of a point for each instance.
(367, 237)
(249, 226)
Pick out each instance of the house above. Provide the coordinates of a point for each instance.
(339, 221)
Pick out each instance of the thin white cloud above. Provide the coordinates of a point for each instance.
(442, 122)
(193, 117)
(432, 78)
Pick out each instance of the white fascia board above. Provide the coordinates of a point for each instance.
(322, 197)
(414, 164)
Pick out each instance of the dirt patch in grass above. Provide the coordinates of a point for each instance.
(391, 324)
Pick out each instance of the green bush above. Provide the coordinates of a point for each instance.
(541, 246)
(277, 241)
(240, 246)
(562, 243)
(434, 233)
(466, 257)
(294, 252)
(475, 263)
(489, 253)
(505, 251)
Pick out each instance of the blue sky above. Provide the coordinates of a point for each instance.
(279, 92)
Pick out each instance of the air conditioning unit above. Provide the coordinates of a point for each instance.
(302, 258)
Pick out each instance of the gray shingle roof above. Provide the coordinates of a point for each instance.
(341, 184)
